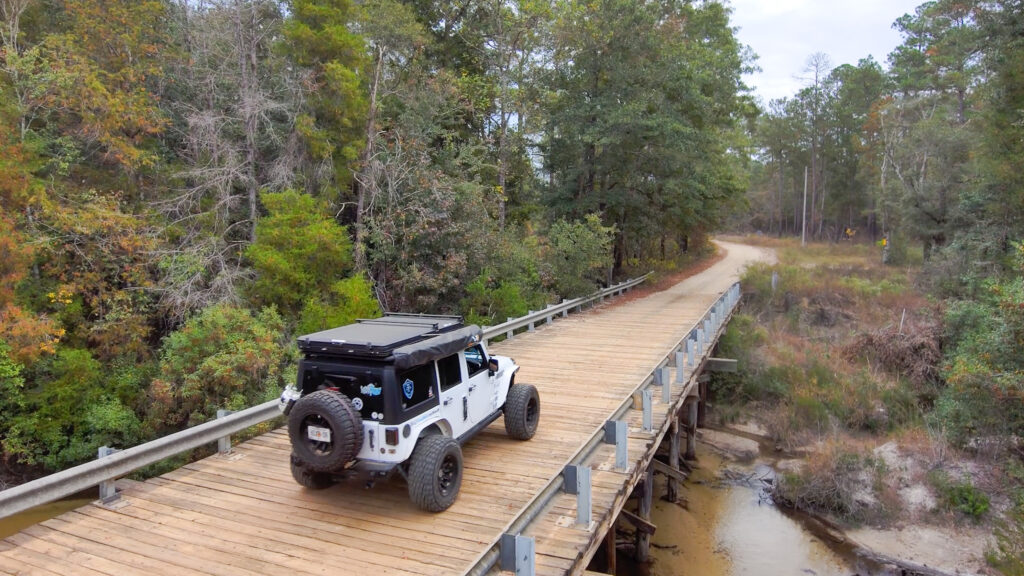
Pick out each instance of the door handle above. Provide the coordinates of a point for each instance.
(472, 387)
(447, 401)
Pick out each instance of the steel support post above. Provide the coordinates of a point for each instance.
(517, 554)
(648, 400)
(576, 480)
(224, 443)
(666, 385)
(617, 432)
(108, 492)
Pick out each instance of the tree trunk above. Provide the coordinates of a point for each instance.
(364, 157)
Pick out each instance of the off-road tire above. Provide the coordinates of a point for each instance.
(435, 472)
(329, 409)
(308, 478)
(522, 411)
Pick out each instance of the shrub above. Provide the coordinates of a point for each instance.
(959, 495)
(223, 358)
(579, 254)
(829, 483)
(71, 413)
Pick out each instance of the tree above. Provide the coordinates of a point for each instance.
(320, 41)
(650, 152)
(237, 106)
(302, 259)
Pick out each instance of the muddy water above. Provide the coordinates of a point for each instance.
(22, 520)
(727, 526)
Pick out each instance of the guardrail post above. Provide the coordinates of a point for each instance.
(530, 328)
(617, 432)
(224, 444)
(108, 492)
(547, 320)
(679, 366)
(666, 385)
(510, 333)
(700, 341)
(648, 398)
(517, 554)
(565, 313)
(576, 480)
(691, 346)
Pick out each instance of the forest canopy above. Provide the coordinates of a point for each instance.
(186, 185)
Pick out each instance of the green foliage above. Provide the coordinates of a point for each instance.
(488, 303)
(223, 358)
(983, 365)
(319, 39)
(299, 253)
(346, 301)
(579, 255)
(961, 496)
(66, 418)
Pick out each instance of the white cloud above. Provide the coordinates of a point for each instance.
(785, 33)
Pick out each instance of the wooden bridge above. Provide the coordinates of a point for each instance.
(241, 514)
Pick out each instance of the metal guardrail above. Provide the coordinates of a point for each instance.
(112, 466)
(531, 319)
(716, 317)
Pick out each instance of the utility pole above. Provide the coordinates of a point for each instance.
(803, 219)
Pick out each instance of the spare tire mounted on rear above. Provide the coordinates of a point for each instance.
(326, 431)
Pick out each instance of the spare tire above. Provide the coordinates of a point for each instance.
(326, 431)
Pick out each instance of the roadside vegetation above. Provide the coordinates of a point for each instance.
(901, 414)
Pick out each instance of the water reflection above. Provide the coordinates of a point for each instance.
(18, 522)
(727, 527)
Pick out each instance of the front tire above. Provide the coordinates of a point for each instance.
(325, 409)
(522, 411)
(435, 473)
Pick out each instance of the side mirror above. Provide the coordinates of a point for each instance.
(492, 366)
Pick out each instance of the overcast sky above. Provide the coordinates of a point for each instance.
(784, 33)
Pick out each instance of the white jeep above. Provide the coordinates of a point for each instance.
(400, 393)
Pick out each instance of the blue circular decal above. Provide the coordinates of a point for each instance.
(407, 388)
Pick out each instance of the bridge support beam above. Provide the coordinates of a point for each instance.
(645, 500)
(691, 429)
(672, 494)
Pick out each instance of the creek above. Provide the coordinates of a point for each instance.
(727, 525)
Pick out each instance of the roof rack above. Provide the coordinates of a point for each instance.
(377, 338)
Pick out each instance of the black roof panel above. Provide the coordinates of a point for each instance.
(377, 337)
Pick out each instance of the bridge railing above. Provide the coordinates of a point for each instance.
(120, 463)
(706, 333)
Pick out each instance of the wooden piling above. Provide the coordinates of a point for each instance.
(691, 428)
(673, 460)
(643, 538)
(609, 549)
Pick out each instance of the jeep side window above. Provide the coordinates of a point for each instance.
(448, 370)
(416, 385)
(476, 360)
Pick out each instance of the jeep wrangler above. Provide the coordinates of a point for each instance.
(400, 393)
